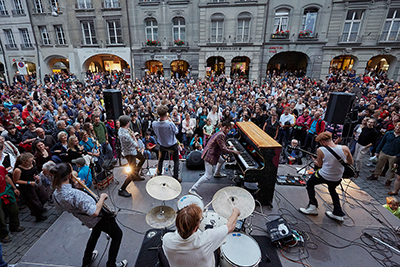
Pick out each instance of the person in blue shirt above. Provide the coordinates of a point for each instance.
(84, 172)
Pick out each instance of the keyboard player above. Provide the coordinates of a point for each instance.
(212, 156)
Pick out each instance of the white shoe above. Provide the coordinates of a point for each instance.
(334, 217)
(122, 263)
(193, 192)
(310, 210)
(95, 253)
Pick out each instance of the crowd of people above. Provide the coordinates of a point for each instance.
(63, 120)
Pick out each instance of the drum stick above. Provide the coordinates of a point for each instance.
(212, 200)
(229, 199)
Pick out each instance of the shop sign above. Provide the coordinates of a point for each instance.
(165, 57)
(228, 48)
(274, 49)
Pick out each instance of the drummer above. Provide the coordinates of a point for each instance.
(188, 246)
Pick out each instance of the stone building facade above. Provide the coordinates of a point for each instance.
(185, 37)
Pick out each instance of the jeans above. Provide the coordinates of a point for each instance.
(310, 143)
(208, 173)
(382, 159)
(284, 136)
(13, 213)
(313, 181)
(109, 226)
(106, 151)
(2, 262)
(175, 156)
(34, 197)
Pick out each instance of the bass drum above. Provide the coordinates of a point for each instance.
(240, 250)
(211, 220)
(189, 199)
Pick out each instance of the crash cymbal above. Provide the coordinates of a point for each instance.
(163, 187)
(160, 217)
(227, 198)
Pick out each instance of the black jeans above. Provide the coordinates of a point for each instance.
(34, 197)
(313, 181)
(13, 213)
(109, 226)
(163, 151)
(135, 169)
(310, 142)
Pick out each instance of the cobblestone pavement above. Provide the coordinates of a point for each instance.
(21, 242)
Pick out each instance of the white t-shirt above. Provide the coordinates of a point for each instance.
(197, 250)
(284, 118)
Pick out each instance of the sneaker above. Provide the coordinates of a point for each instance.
(194, 193)
(370, 164)
(19, 229)
(124, 193)
(6, 239)
(310, 210)
(95, 253)
(122, 263)
(372, 177)
(334, 217)
(219, 175)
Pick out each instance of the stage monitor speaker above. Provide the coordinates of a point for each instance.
(339, 106)
(194, 161)
(113, 103)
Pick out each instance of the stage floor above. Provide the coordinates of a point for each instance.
(329, 243)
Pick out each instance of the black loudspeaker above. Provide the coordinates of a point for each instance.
(339, 106)
(194, 161)
(113, 103)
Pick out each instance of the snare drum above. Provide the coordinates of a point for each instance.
(211, 220)
(240, 250)
(189, 199)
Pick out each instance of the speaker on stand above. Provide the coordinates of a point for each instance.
(113, 103)
(339, 106)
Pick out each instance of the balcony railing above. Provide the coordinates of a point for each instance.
(349, 39)
(111, 5)
(11, 46)
(389, 38)
(27, 46)
(18, 12)
(3, 13)
(83, 6)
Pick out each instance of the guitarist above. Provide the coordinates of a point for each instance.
(330, 173)
(84, 207)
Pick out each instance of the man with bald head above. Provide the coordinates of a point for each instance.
(47, 140)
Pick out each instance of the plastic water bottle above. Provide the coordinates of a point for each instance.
(166, 167)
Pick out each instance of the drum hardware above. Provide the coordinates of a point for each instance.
(161, 216)
(163, 187)
(227, 198)
(212, 220)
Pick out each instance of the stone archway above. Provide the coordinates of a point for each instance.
(382, 64)
(343, 62)
(240, 66)
(291, 61)
(105, 62)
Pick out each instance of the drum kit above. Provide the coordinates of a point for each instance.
(239, 249)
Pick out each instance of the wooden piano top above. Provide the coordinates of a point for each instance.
(260, 138)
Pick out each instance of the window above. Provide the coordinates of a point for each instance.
(10, 39)
(18, 8)
(217, 28)
(352, 26)
(391, 27)
(60, 35)
(45, 35)
(243, 28)
(85, 4)
(309, 20)
(89, 33)
(151, 29)
(111, 3)
(26, 40)
(38, 6)
(3, 9)
(55, 7)
(178, 29)
(281, 20)
(114, 32)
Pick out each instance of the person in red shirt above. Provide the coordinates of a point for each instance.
(27, 112)
(7, 120)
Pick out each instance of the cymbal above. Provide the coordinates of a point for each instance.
(163, 187)
(227, 198)
(160, 217)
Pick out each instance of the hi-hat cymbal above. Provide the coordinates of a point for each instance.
(160, 217)
(163, 187)
(227, 198)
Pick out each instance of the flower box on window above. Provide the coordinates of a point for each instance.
(153, 42)
(280, 35)
(179, 42)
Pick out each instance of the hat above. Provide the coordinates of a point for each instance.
(136, 133)
(80, 161)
